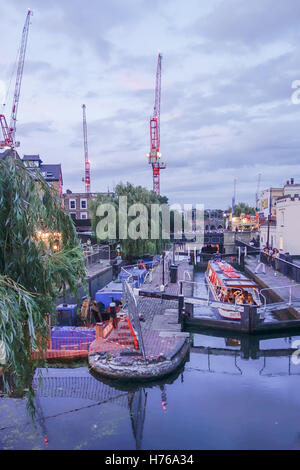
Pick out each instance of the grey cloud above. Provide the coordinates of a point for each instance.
(250, 23)
(30, 128)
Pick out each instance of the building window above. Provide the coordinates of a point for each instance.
(281, 243)
(282, 219)
(73, 215)
(72, 204)
(83, 203)
(83, 215)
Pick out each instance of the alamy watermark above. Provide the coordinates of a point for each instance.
(149, 222)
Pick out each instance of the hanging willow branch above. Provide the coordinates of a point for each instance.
(32, 275)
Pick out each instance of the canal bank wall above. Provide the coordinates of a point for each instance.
(97, 277)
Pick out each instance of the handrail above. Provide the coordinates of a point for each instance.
(181, 281)
(187, 272)
(289, 303)
(224, 305)
(149, 275)
(261, 250)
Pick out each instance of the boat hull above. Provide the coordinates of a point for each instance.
(227, 314)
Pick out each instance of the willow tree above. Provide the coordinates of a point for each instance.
(132, 248)
(40, 257)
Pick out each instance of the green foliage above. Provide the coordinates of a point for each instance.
(32, 275)
(242, 208)
(135, 194)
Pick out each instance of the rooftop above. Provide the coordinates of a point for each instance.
(32, 158)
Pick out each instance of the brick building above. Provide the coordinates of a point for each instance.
(52, 173)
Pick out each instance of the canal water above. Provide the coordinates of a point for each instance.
(230, 394)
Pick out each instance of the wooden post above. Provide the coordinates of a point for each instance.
(242, 261)
(250, 347)
(99, 330)
(249, 318)
(245, 321)
(48, 319)
(180, 308)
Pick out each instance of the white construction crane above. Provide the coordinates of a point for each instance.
(9, 132)
(257, 197)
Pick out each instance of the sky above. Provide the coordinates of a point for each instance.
(226, 101)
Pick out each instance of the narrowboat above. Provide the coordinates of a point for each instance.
(232, 286)
(112, 292)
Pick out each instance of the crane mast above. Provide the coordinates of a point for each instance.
(9, 132)
(234, 196)
(154, 154)
(87, 178)
(257, 192)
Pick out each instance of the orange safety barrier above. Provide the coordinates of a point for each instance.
(72, 342)
(136, 343)
(104, 329)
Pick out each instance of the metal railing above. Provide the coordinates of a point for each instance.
(97, 253)
(207, 298)
(278, 263)
(133, 313)
(289, 287)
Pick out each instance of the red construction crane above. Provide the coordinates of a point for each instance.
(154, 154)
(9, 132)
(87, 178)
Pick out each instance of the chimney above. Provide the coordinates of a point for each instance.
(292, 180)
(287, 182)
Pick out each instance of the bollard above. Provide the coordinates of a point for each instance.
(180, 309)
(242, 261)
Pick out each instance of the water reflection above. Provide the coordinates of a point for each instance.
(247, 347)
(253, 375)
(56, 384)
(78, 385)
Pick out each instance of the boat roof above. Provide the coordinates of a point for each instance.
(241, 282)
(111, 287)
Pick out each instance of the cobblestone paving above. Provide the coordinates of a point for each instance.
(155, 347)
(151, 307)
(277, 281)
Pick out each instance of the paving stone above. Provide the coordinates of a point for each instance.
(174, 334)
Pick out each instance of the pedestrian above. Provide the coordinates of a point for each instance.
(96, 312)
(276, 260)
(260, 264)
(113, 314)
(272, 257)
